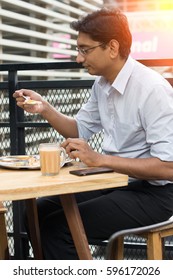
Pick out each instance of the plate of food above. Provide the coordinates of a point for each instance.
(23, 162)
(20, 162)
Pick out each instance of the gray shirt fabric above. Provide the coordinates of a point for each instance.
(135, 113)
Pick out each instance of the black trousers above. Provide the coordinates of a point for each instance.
(103, 212)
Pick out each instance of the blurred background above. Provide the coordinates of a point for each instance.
(38, 30)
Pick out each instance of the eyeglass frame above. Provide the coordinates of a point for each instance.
(84, 51)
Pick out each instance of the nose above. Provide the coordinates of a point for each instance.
(80, 58)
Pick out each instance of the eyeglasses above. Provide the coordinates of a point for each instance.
(84, 52)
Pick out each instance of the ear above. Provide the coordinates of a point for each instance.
(114, 48)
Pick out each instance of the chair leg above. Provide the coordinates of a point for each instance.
(4, 252)
(154, 246)
(163, 248)
(117, 251)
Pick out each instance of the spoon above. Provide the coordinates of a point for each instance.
(25, 97)
(29, 101)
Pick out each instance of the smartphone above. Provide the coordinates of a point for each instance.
(91, 171)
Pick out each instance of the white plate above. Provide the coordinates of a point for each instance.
(23, 162)
(20, 162)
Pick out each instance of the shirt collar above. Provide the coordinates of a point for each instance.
(122, 78)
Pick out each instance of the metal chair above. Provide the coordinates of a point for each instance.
(4, 252)
(154, 235)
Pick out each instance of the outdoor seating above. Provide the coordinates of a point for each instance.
(31, 130)
(154, 235)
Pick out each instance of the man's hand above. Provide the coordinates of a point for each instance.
(31, 95)
(79, 148)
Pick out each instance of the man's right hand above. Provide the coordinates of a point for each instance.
(30, 94)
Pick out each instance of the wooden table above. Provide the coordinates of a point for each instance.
(30, 184)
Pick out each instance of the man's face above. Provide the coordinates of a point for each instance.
(93, 56)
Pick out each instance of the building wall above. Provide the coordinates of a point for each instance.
(38, 30)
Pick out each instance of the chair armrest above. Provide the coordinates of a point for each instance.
(112, 240)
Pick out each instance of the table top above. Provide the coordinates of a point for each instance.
(24, 184)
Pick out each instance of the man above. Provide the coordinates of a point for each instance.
(134, 106)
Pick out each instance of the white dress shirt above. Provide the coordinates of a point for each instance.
(135, 113)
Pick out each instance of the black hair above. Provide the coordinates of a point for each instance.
(104, 25)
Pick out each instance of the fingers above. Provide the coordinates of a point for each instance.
(79, 148)
(74, 144)
(34, 100)
(70, 145)
(18, 95)
(27, 94)
(21, 92)
(75, 147)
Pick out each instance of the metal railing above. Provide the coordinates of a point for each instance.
(22, 132)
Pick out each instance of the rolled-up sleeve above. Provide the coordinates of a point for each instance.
(158, 122)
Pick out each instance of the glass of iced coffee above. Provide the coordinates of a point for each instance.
(52, 157)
